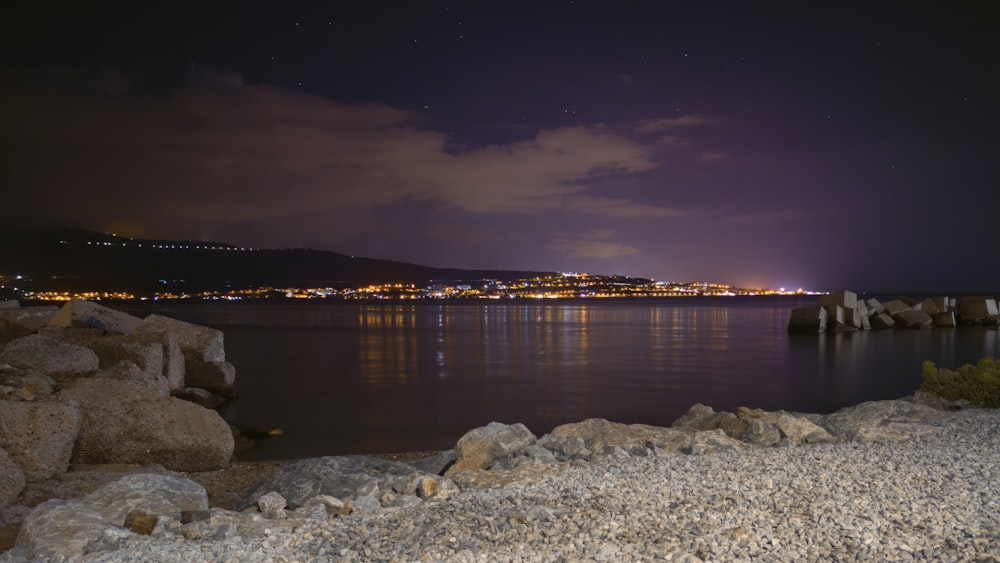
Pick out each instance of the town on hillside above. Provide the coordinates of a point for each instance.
(552, 286)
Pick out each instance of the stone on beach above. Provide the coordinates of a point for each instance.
(712, 442)
(754, 426)
(437, 463)
(60, 529)
(152, 493)
(71, 528)
(492, 445)
(595, 435)
(347, 478)
(881, 420)
(699, 417)
(801, 430)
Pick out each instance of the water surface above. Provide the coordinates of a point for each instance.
(378, 377)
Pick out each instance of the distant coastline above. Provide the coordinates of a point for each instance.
(62, 264)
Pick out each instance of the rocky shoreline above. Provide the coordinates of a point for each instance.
(902, 480)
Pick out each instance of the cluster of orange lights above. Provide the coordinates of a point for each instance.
(561, 286)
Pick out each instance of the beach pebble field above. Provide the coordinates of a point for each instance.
(933, 497)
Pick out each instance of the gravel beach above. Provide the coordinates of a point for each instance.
(935, 497)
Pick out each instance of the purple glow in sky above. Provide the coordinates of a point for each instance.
(761, 144)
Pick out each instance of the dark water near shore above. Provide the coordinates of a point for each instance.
(384, 377)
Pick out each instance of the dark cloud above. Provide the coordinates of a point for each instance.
(216, 150)
(598, 243)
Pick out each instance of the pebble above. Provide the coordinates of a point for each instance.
(935, 497)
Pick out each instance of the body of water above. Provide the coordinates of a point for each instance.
(363, 377)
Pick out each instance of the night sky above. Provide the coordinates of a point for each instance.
(823, 145)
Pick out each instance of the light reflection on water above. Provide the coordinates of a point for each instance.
(353, 378)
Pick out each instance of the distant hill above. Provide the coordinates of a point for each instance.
(64, 259)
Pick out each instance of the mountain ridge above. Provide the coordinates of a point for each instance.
(56, 258)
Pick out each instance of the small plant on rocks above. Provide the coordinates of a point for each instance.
(979, 384)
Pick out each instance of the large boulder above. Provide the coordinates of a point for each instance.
(196, 341)
(16, 322)
(699, 417)
(761, 433)
(48, 355)
(79, 312)
(217, 377)
(801, 430)
(24, 384)
(892, 308)
(347, 478)
(882, 320)
(877, 421)
(194, 355)
(148, 356)
(845, 299)
(128, 421)
(874, 306)
(492, 445)
(171, 353)
(751, 426)
(945, 319)
(148, 492)
(39, 435)
(977, 308)
(807, 319)
(712, 442)
(595, 435)
(942, 303)
(11, 479)
(437, 463)
(930, 306)
(68, 529)
(914, 318)
(64, 530)
(114, 348)
(127, 371)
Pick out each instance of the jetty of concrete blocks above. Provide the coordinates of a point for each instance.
(844, 311)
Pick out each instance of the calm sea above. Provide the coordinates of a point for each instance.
(366, 377)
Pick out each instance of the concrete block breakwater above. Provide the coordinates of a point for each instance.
(844, 311)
